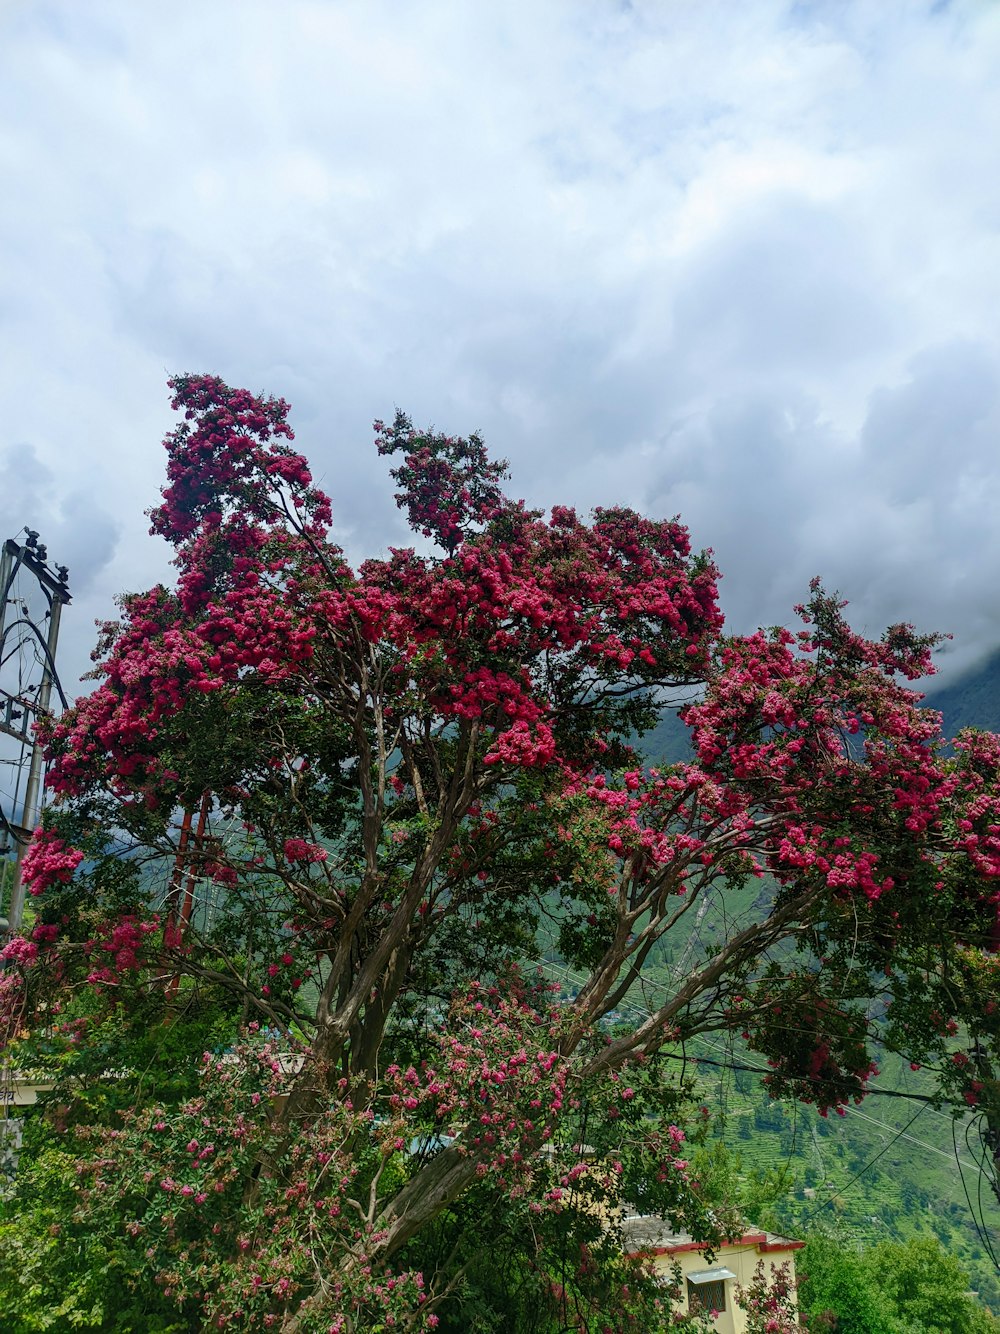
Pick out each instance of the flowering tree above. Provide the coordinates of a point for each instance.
(768, 1300)
(405, 781)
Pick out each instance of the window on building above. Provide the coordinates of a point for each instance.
(707, 1296)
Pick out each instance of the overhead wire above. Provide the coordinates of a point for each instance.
(897, 1133)
(978, 1216)
(867, 1166)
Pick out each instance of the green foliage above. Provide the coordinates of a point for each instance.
(893, 1288)
(58, 1274)
(835, 1282)
(107, 1060)
(876, 1174)
(6, 882)
(531, 1274)
(725, 1181)
(927, 1289)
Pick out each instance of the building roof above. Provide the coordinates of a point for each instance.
(649, 1232)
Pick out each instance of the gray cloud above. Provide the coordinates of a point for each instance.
(739, 262)
(77, 532)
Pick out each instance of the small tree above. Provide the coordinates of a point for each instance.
(408, 783)
(925, 1286)
(895, 1287)
(836, 1291)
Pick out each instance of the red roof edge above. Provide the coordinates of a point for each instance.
(758, 1239)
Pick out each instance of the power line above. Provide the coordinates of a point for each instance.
(869, 1164)
(926, 1101)
(943, 1153)
(978, 1219)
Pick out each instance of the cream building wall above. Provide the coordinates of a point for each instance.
(732, 1265)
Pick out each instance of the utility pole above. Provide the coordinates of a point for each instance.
(19, 711)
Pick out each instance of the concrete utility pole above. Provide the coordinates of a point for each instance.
(19, 712)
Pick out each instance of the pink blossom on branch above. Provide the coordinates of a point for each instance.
(298, 850)
(48, 861)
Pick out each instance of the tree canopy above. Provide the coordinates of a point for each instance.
(404, 784)
(892, 1288)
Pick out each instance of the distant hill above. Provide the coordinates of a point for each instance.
(668, 743)
(971, 701)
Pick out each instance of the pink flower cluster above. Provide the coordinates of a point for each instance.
(448, 485)
(119, 947)
(298, 850)
(230, 456)
(21, 951)
(48, 861)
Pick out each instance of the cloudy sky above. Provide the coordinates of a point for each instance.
(738, 260)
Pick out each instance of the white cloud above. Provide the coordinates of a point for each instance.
(739, 261)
